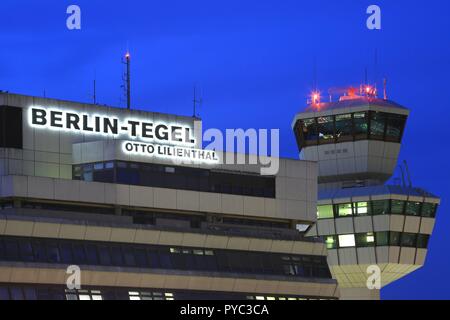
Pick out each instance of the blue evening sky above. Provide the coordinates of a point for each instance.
(253, 61)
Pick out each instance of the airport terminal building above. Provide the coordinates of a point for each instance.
(105, 189)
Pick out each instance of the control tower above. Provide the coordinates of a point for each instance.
(369, 227)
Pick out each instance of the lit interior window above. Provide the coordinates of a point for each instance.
(347, 240)
(361, 208)
(84, 297)
(370, 238)
(345, 209)
(259, 298)
(270, 298)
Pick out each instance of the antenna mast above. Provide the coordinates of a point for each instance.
(127, 79)
(196, 101)
(95, 93)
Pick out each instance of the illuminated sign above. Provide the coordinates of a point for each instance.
(151, 139)
(170, 152)
(107, 125)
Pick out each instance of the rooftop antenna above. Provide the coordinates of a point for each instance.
(403, 176)
(407, 173)
(94, 96)
(365, 76)
(127, 79)
(315, 74)
(196, 101)
(385, 88)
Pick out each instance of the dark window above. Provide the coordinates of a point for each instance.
(11, 127)
(66, 253)
(408, 240)
(309, 129)
(129, 257)
(422, 241)
(91, 254)
(380, 207)
(4, 293)
(26, 251)
(53, 253)
(104, 255)
(429, 210)
(325, 127)
(361, 125)
(16, 293)
(117, 258)
(377, 125)
(79, 254)
(30, 293)
(154, 175)
(397, 206)
(382, 238)
(394, 238)
(11, 249)
(394, 127)
(413, 208)
(344, 127)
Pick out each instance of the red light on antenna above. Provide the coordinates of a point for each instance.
(315, 97)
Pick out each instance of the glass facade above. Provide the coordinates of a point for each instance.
(372, 239)
(15, 291)
(377, 207)
(68, 252)
(176, 177)
(350, 127)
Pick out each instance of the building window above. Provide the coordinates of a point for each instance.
(413, 208)
(377, 125)
(325, 211)
(344, 210)
(361, 208)
(361, 125)
(397, 206)
(344, 127)
(325, 127)
(429, 210)
(380, 207)
(309, 129)
(382, 238)
(365, 239)
(394, 238)
(422, 241)
(331, 242)
(394, 127)
(346, 240)
(408, 240)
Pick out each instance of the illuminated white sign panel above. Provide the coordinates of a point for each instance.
(169, 141)
(170, 152)
(107, 125)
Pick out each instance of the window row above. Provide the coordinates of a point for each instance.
(371, 239)
(176, 177)
(160, 257)
(377, 207)
(55, 292)
(350, 127)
